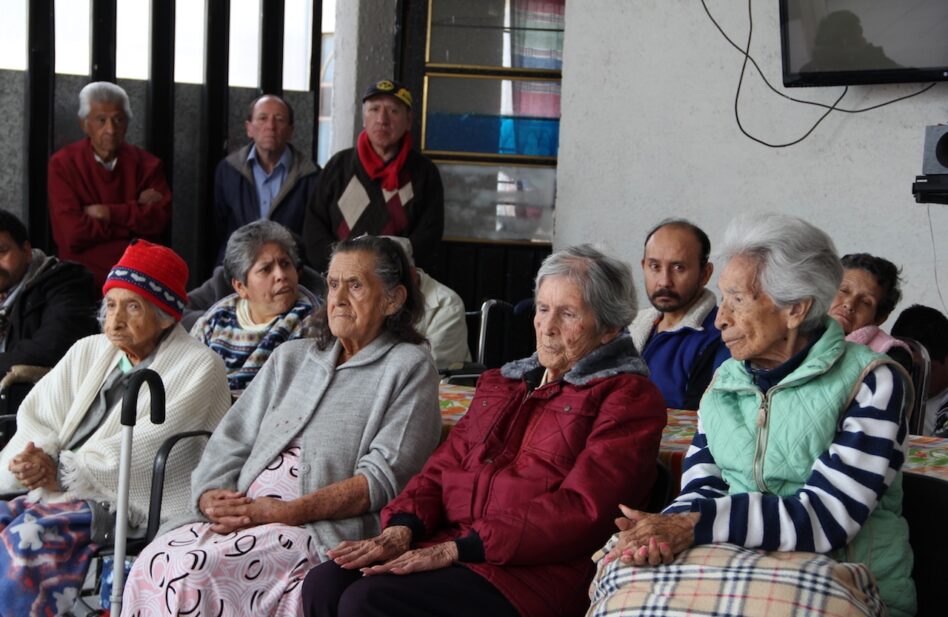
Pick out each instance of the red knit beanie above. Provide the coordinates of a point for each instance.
(153, 271)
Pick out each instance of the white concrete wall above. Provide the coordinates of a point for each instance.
(364, 47)
(648, 131)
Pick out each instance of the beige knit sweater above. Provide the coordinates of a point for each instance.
(196, 399)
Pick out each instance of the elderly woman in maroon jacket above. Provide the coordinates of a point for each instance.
(504, 516)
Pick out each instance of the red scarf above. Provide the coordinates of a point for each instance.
(377, 168)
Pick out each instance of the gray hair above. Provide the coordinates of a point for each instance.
(245, 244)
(103, 92)
(606, 283)
(795, 261)
(164, 319)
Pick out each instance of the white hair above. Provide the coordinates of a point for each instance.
(606, 283)
(103, 92)
(795, 261)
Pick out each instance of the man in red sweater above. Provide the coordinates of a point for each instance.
(103, 191)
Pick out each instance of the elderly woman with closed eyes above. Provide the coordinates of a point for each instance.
(793, 477)
(503, 517)
(867, 295)
(268, 306)
(330, 430)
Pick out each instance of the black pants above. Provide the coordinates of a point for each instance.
(330, 591)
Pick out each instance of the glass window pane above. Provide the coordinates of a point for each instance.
(498, 202)
(245, 43)
(329, 16)
(132, 36)
(73, 48)
(297, 40)
(13, 35)
(497, 33)
(490, 115)
(189, 28)
(327, 56)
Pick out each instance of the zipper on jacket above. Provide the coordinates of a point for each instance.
(490, 476)
(760, 448)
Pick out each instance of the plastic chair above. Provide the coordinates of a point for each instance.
(921, 370)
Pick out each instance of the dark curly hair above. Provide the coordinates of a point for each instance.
(887, 276)
(393, 269)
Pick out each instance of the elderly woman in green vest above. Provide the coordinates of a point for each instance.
(792, 490)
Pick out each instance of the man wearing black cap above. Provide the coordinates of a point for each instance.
(381, 187)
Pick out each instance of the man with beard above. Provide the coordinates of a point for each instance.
(46, 305)
(677, 336)
(381, 187)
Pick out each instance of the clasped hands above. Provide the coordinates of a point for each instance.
(390, 552)
(650, 539)
(33, 468)
(231, 511)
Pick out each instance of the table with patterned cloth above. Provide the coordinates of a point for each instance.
(926, 455)
(454, 401)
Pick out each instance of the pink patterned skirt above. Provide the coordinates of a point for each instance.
(255, 571)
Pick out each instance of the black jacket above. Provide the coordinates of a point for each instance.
(56, 307)
(235, 195)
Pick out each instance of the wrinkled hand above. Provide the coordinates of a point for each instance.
(355, 554)
(651, 539)
(33, 468)
(419, 560)
(98, 211)
(230, 511)
(149, 196)
(217, 505)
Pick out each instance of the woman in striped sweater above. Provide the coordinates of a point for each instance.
(268, 308)
(798, 452)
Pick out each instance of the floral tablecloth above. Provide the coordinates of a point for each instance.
(926, 455)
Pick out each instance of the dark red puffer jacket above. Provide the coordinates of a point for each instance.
(538, 474)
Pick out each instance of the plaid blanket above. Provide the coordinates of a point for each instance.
(724, 579)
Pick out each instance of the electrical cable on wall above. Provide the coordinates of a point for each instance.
(931, 232)
(745, 51)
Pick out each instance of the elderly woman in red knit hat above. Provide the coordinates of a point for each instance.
(66, 448)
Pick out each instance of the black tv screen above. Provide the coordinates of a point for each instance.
(845, 42)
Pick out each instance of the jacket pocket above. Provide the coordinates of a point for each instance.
(560, 433)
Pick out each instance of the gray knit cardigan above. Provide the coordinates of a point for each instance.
(377, 415)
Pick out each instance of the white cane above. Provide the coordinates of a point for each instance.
(129, 412)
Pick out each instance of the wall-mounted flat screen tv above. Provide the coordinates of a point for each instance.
(846, 42)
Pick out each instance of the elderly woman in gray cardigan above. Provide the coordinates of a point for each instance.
(330, 430)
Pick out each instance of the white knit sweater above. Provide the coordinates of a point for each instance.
(197, 397)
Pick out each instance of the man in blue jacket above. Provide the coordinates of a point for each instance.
(267, 178)
(676, 336)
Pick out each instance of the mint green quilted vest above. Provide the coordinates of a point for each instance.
(798, 421)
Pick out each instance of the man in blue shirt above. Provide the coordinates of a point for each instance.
(676, 335)
(267, 178)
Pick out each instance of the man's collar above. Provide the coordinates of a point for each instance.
(110, 165)
(286, 159)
